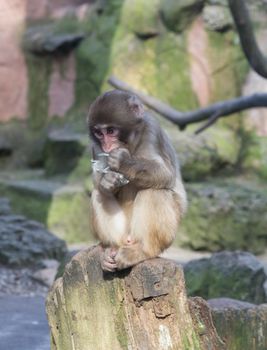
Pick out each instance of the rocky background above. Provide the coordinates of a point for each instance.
(56, 59)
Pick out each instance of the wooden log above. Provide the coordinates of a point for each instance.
(143, 308)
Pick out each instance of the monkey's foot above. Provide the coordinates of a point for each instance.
(129, 255)
(108, 262)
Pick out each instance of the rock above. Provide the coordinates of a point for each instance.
(241, 325)
(201, 314)
(62, 86)
(203, 155)
(4, 206)
(41, 40)
(217, 18)
(62, 208)
(17, 280)
(25, 242)
(80, 11)
(237, 275)
(51, 263)
(177, 15)
(198, 43)
(148, 65)
(230, 214)
(62, 151)
(218, 2)
(13, 70)
(142, 17)
(6, 148)
(45, 276)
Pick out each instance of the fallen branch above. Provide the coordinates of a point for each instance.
(182, 119)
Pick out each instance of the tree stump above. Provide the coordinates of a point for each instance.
(143, 308)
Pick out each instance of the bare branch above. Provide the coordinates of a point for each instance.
(151, 102)
(247, 38)
(212, 120)
(182, 119)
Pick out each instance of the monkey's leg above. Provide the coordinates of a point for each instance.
(108, 218)
(109, 225)
(154, 223)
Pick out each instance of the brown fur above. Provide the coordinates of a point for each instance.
(147, 211)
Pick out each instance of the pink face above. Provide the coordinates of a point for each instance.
(108, 137)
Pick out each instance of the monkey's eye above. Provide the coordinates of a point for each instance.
(98, 133)
(112, 131)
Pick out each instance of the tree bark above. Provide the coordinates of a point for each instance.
(143, 308)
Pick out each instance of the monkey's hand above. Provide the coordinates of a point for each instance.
(110, 182)
(107, 259)
(117, 157)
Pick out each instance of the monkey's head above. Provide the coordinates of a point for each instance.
(113, 118)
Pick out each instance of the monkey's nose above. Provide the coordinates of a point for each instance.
(107, 144)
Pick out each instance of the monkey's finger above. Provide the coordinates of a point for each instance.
(106, 266)
(113, 163)
(110, 259)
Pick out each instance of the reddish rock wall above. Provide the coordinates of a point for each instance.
(13, 70)
(199, 64)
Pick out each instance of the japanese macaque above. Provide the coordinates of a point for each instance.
(138, 197)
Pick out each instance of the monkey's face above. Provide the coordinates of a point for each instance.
(114, 118)
(107, 136)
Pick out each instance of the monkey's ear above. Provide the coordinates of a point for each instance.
(136, 106)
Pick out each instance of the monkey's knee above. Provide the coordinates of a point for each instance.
(155, 220)
(130, 255)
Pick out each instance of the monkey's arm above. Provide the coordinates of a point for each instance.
(144, 173)
(107, 181)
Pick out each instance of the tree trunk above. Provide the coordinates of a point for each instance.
(142, 308)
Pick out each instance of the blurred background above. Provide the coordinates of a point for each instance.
(55, 59)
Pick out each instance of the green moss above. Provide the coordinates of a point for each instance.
(92, 59)
(211, 153)
(120, 320)
(39, 69)
(93, 55)
(192, 342)
(23, 202)
(262, 164)
(141, 16)
(68, 217)
(63, 209)
(63, 153)
(226, 275)
(82, 169)
(225, 216)
(228, 65)
(224, 140)
(242, 328)
(177, 15)
(158, 66)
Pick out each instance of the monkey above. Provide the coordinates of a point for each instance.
(138, 197)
